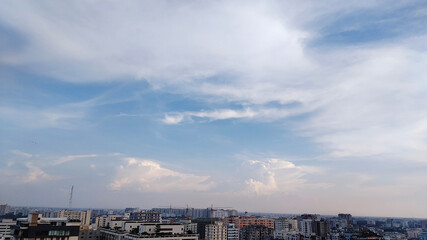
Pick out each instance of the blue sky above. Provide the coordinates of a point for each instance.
(264, 106)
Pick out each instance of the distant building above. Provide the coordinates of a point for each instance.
(223, 213)
(189, 227)
(50, 213)
(131, 210)
(36, 227)
(245, 221)
(413, 233)
(423, 236)
(4, 209)
(348, 219)
(82, 216)
(146, 216)
(217, 231)
(256, 232)
(192, 212)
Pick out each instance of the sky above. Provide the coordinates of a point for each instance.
(267, 106)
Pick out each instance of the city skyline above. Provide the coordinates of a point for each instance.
(273, 106)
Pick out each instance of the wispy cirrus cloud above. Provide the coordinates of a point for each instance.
(21, 153)
(34, 118)
(69, 158)
(258, 113)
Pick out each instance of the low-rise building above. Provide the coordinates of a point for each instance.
(102, 221)
(89, 233)
(82, 216)
(5, 228)
(163, 229)
(189, 227)
(36, 227)
(109, 234)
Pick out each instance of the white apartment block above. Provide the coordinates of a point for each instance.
(102, 221)
(307, 227)
(217, 231)
(153, 228)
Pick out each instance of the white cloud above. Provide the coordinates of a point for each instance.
(21, 153)
(68, 158)
(276, 175)
(173, 119)
(35, 174)
(374, 107)
(41, 118)
(258, 113)
(245, 37)
(149, 176)
(362, 99)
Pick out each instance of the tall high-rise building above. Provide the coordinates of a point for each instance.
(217, 231)
(321, 228)
(4, 208)
(347, 218)
(232, 232)
(307, 227)
(293, 224)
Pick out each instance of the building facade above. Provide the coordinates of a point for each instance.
(146, 216)
(82, 216)
(4, 209)
(256, 232)
(245, 221)
(232, 232)
(217, 231)
(5, 228)
(36, 227)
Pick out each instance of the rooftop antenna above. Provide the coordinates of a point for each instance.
(70, 202)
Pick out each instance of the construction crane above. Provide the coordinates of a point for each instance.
(70, 202)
